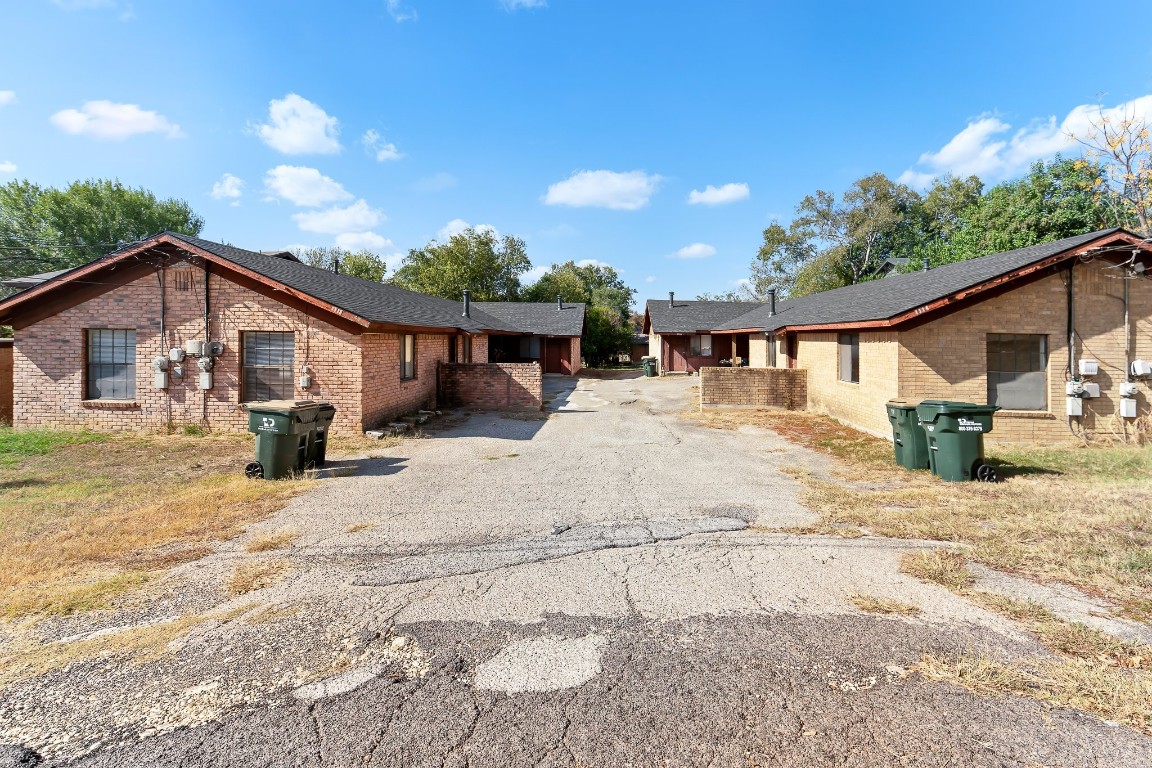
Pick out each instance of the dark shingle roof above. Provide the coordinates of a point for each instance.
(540, 319)
(693, 316)
(900, 293)
(375, 302)
(28, 281)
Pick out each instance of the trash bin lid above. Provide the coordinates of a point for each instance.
(281, 405)
(928, 410)
(900, 405)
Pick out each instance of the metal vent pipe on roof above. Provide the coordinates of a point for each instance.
(771, 302)
(671, 299)
(559, 302)
(467, 303)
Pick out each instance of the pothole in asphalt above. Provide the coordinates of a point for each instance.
(542, 664)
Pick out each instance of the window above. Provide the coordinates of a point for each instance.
(530, 347)
(771, 342)
(849, 344)
(269, 360)
(451, 349)
(1018, 371)
(182, 279)
(111, 369)
(702, 345)
(407, 356)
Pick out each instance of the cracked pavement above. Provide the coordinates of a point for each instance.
(601, 588)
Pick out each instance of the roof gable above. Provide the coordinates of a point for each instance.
(536, 318)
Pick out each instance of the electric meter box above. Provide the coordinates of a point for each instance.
(1075, 406)
(195, 347)
(1127, 408)
(1089, 368)
(1129, 389)
(1091, 389)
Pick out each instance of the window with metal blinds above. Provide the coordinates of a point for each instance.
(269, 366)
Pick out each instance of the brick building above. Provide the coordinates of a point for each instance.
(124, 342)
(1011, 329)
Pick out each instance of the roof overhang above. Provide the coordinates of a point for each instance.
(970, 294)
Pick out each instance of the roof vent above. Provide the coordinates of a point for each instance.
(771, 302)
(559, 302)
(671, 299)
(927, 266)
(467, 303)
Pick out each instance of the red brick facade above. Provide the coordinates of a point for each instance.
(492, 386)
(5, 381)
(359, 374)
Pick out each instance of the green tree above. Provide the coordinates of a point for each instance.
(1058, 198)
(45, 229)
(1119, 151)
(488, 266)
(363, 263)
(609, 305)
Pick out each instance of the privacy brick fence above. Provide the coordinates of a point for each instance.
(5, 381)
(754, 388)
(492, 386)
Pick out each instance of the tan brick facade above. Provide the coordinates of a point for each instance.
(493, 386)
(946, 357)
(360, 375)
(6, 381)
(753, 388)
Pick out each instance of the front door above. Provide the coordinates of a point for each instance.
(553, 358)
(677, 357)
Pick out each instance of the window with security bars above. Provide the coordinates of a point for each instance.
(1018, 371)
(269, 363)
(111, 369)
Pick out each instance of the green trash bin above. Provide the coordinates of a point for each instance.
(909, 441)
(649, 364)
(283, 429)
(955, 433)
(318, 436)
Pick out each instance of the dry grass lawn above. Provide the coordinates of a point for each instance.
(883, 605)
(1072, 515)
(84, 517)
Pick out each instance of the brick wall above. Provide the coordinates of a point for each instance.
(946, 358)
(753, 388)
(49, 358)
(492, 386)
(5, 381)
(577, 360)
(386, 396)
(479, 349)
(860, 404)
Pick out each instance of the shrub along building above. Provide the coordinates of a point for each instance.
(178, 330)
(1019, 329)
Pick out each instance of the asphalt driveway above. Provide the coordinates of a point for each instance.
(606, 586)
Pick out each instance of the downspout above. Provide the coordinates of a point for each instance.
(207, 337)
(164, 345)
(1071, 323)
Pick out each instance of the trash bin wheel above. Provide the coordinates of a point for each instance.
(986, 474)
(254, 470)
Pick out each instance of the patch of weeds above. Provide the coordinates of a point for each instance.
(1140, 561)
(1085, 685)
(251, 576)
(276, 540)
(17, 444)
(192, 430)
(883, 605)
(939, 566)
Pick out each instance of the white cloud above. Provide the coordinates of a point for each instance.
(650, 279)
(305, 186)
(108, 120)
(296, 126)
(515, 5)
(533, 275)
(729, 193)
(7, 97)
(400, 12)
(7, 166)
(695, 251)
(376, 145)
(228, 188)
(592, 263)
(604, 189)
(358, 217)
(456, 226)
(437, 182)
(988, 148)
(366, 241)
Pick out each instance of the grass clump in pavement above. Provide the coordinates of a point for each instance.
(85, 517)
(275, 540)
(249, 577)
(883, 605)
(1075, 515)
(938, 566)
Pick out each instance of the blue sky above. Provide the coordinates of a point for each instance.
(657, 136)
